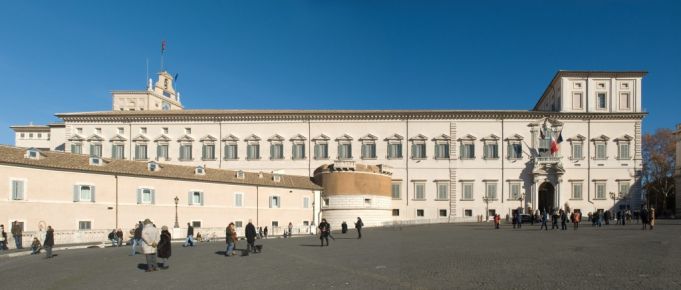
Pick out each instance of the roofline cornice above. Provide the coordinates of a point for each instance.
(180, 116)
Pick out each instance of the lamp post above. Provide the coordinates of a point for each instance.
(521, 204)
(177, 200)
(486, 200)
(614, 197)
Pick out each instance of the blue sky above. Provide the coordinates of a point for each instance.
(66, 56)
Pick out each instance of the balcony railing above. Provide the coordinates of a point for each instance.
(547, 159)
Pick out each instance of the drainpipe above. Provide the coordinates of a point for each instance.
(502, 160)
(116, 179)
(588, 162)
(257, 205)
(406, 160)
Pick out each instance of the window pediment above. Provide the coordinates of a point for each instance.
(162, 138)
(321, 137)
(625, 138)
(344, 137)
(418, 137)
(548, 121)
(118, 138)
(394, 137)
(368, 137)
(208, 138)
(140, 138)
(276, 137)
(95, 137)
(601, 138)
(490, 137)
(441, 137)
(515, 137)
(468, 137)
(186, 138)
(578, 138)
(76, 137)
(298, 137)
(230, 138)
(252, 137)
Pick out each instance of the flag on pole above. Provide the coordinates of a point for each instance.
(560, 137)
(176, 75)
(163, 46)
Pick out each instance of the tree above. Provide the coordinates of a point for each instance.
(659, 151)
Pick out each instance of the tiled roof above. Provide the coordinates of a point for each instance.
(78, 162)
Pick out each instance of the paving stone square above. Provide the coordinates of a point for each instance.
(436, 256)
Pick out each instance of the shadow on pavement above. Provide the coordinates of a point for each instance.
(221, 253)
(142, 266)
(308, 245)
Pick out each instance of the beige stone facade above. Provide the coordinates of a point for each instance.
(447, 165)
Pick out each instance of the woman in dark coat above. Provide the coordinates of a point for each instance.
(49, 242)
(163, 248)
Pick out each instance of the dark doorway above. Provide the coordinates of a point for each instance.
(546, 196)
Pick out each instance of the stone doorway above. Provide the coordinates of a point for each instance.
(546, 197)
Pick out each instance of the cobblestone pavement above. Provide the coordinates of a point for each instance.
(443, 256)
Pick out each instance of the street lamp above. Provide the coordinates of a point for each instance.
(614, 197)
(177, 200)
(521, 204)
(486, 200)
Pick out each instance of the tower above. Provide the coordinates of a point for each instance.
(162, 96)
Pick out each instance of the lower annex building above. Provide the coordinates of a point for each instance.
(579, 147)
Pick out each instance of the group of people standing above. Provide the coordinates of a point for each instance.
(597, 218)
(325, 230)
(154, 244)
(17, 231)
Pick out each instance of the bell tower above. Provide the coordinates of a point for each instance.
(161, 96)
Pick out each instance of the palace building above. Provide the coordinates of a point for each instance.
(579, 147)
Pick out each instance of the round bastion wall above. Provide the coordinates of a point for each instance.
(352, 190)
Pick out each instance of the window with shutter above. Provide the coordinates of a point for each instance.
(17, 189)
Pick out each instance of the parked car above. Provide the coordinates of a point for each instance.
(525, 218)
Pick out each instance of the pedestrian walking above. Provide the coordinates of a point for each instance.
(164, 248)
(190, 236)
(150, 239)
(497, 221)
(563, 220)
(250, 237)
(259, 232)
(358, 225)
(644, 218)
(554, 219)
(265, 232)
(137, 237)
(230, 238)
(544, 220)
(49, 242)
(17, 232)
(324, 232)
(576, 219)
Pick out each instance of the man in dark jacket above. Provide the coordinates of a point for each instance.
(190, 236)
(358, 225)
(49, 242)
(17, 232)
(324, 230)
(137, 238)
(250, 236)
(163, 250)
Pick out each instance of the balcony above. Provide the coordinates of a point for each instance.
(541, 160)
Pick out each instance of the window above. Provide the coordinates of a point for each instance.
(231, 152)
(187, 131)
(601, 99)
(84, 225)
(275, 224)
(276, 151)
(238, 224)
(443, 213)
(17, 189)
(79, 130)
(418, 150)
(162, 152)
(624, 188)
(625, 101)
(419, 191)
(514, 190)
(306, 202)
(40, 135)
(545, 141)
(468, 212)
(420, 213)
(253, 151)
(442, 150)
(30, 135)
(200, 170)
(491, 151)
(143, 130)
(240, 174)
(120, 130)
(368, 150)
(196, 224)
(325, 201)
(76, 148)
(118, 151)
(601, 152)
(515, 150)
(145, 196)
(321, 151)
(577, 151)
(467, 190)
(394, 150)
(491, 190)
(396, 212)
(96, 150)
(396, 189)
(468, 150)
(141, 152)
(84, 193)
(275, 201)
(577, 101)
(98, 131)
(152, 166)
(344, 151)
(238, 199)
(186, 152)
(576, 190)
(443, 190)
(298, 151)
(195, 198)
(367, 202)
(623, 152)
(600, 190)
(164, 130)
(208, 152)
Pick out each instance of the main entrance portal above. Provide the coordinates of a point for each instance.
(546, 196)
